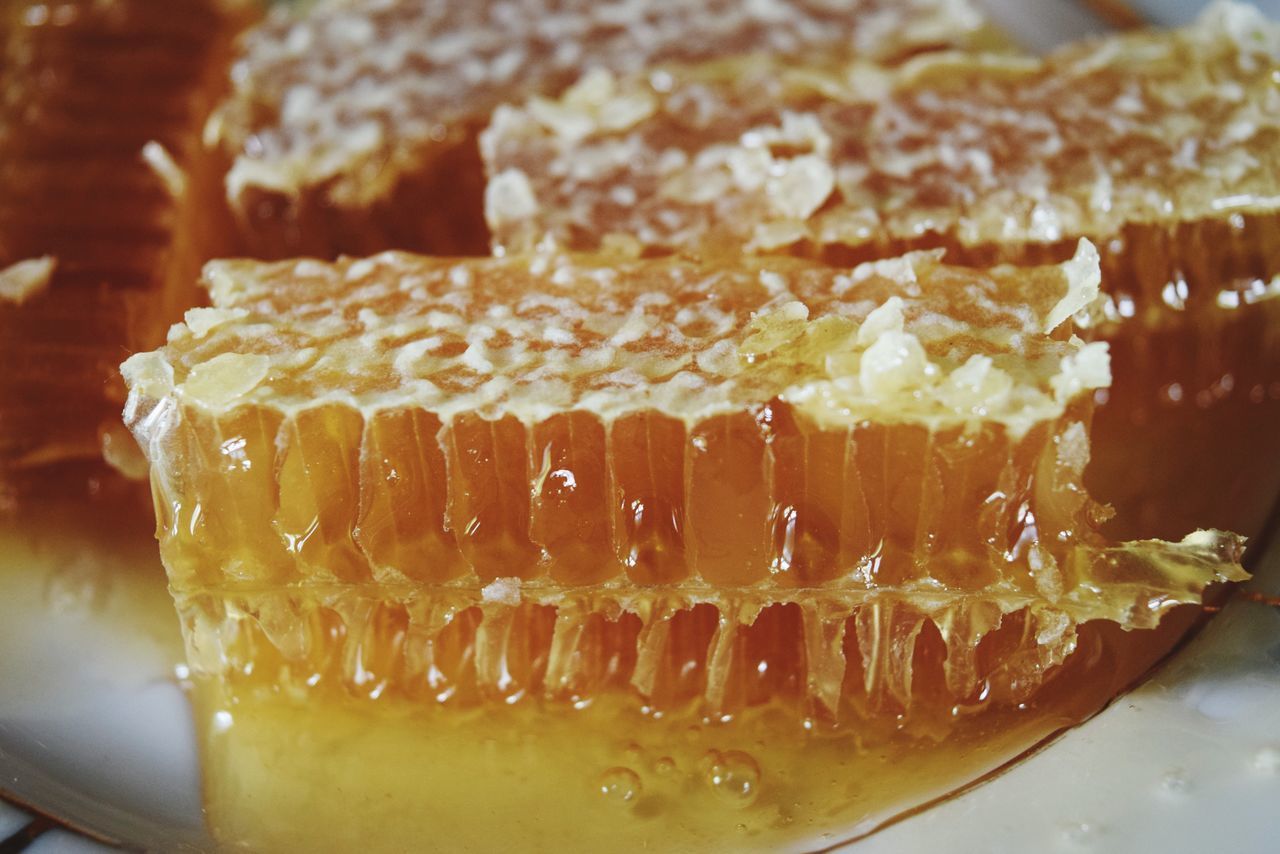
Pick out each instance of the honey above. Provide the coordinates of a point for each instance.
(101, 227)
(352, 125)
(1160, 147)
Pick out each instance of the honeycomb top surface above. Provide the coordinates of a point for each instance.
(347, 95)
(978, 150)
(907, 339)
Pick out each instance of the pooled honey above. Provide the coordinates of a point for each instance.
(335, 771)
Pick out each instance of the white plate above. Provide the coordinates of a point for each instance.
(95, 730)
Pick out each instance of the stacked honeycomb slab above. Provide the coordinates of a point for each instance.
(100, 110)
(995, 158)
(556, 475)
(352, 125)
(1163, 148)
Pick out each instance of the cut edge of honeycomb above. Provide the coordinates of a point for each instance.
(384, 636)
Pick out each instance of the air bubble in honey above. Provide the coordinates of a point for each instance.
(620, 786)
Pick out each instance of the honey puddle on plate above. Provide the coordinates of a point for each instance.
(331, 772)
(344, 774)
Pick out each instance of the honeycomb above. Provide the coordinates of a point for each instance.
(993, 157)
(352, 124)
(718, 484)
(1163, 148)
(100, 108)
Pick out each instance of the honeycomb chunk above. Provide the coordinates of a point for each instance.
(352, 123)
(97, 249)
(555, 476)
(995, 158)
(1161, 147)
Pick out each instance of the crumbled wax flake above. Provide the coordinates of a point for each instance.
(993, 157)
(335, 138)
(225, 378)
(166, 168)
(22, 280)
(488, 477)
(508, 197)
(505, 591)
(1084, 277)
(102, 223)
(199, 321)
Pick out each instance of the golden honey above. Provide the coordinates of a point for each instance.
(616, 551)
(335, 771)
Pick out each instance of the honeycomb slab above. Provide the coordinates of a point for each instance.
(993, 157)
(352, 124)
(555, 476)
(100, 179)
